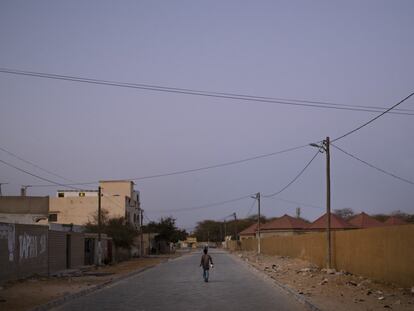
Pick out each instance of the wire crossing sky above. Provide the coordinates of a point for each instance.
(194, 100)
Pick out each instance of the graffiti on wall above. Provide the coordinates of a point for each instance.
(28, 245)
(7, 232)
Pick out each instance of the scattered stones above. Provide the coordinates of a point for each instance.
(387, 307)
(356, 300)
(323, 282)
(369, 292)
(305, 270)
(381, 298)
(412, 290)
(352, 283)
(329, 271)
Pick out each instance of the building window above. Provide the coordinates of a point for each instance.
(52, 217)
(81, 194)
(61, 194)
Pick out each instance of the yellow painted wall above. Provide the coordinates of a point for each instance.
(117, 188)
(80, 210)
(385, 253)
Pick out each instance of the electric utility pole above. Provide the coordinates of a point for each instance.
(257, 197)
(325, 147)
(235, 225)
(328, 199)
(142, 233)
(99, 227)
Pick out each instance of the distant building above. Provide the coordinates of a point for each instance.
(285, 225)
(337, 223)
(395, 221)
(78, 207)
(363, 221)
(249, 232)
(24, 209)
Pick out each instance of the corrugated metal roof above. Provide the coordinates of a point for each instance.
(363, 220)
(285, 222)
(336, 223)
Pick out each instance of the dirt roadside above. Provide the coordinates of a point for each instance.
(331, 290)
(31, 292)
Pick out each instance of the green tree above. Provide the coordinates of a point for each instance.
(345, 213)
(117, 228)
(166, 229)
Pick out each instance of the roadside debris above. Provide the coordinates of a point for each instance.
(330, 289)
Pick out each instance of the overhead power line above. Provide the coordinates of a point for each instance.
(186, 91)
(250, 209)
(197, 169)
(373, 119)
(204, 206)
(34, 165)
(37, 176)
(294, 179)
(373, 166)
(298, 203)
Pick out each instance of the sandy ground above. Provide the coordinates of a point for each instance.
(327, 290)
(28, 293)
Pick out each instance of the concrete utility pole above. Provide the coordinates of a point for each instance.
(325, 147)
(99, 227)
(225, 230)
(326, 143)
(142, 234)
(235, 226)
(257, 197)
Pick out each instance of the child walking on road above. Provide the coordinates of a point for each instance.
(205, 263)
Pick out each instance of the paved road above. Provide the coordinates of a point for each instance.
(178, 285)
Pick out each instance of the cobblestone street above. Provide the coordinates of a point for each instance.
(178, 285)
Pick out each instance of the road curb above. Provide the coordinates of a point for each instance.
(279, 285)
(62, 300)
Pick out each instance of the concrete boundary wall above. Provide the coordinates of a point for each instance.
(27, 250)
(385, 253)
(23, 250)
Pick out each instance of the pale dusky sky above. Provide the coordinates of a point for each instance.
(345, 52)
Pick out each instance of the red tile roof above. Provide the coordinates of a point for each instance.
(363, 220)
(251, 230)
(336, 223)
(395, 221)
(285, 222)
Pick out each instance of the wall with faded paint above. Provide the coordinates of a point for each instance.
(77, 250)
(23, 250)
(33, 249)
(24, 210)
(384, 253)
(57, 251)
